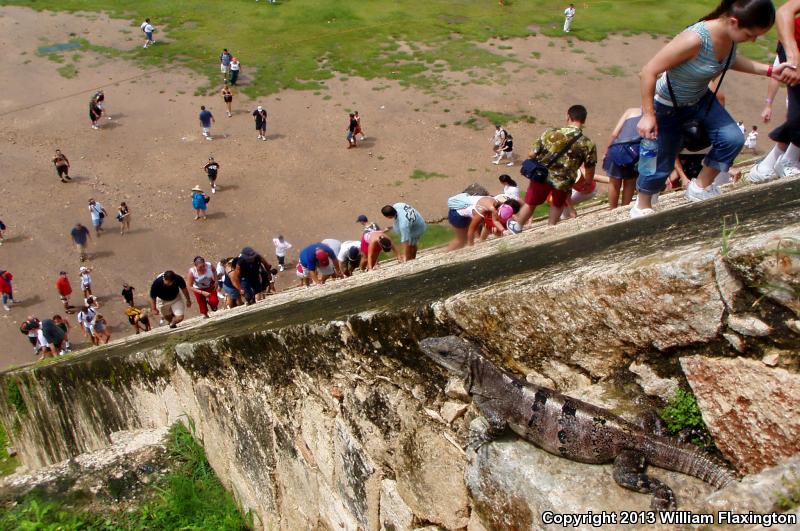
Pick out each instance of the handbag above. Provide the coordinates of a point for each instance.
(537, 171)
(695, 135)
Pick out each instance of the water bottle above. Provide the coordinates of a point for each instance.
(648, 155)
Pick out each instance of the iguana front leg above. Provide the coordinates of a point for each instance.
(629, 473)
(652, 423)
(496, 425)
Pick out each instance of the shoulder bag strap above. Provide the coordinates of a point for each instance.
(722, 77)
(564, 149)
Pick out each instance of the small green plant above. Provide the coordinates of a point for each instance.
(68, 71)
(682, 413)
(423, 175)
(7, 463)
(790, 498)
(728, 233)
(613, 70)
(536, 55)
(14, 397)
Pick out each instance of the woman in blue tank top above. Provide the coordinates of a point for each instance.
(691, 60)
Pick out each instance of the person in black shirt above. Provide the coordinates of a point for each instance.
(260, 115)
(127, 293)
(211, 168)
(246, 274)
(165, 297)
(351, 132)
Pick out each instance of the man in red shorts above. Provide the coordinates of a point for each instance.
(563, 171)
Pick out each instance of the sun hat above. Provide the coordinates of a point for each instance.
(197, 189)
(322, 257)
(83, 268)
(505, 212)
(361, 218)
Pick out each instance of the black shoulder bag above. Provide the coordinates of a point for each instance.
(695, 135)
(537, 171)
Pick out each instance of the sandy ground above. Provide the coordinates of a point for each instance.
(302, 182)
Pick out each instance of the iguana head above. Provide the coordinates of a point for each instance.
(451, 352)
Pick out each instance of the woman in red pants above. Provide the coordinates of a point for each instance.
(203, 283)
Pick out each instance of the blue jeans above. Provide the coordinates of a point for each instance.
(726, 139)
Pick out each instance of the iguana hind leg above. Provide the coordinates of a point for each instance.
(629, 473)
(650, 422)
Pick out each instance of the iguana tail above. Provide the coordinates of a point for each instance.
(670, 454)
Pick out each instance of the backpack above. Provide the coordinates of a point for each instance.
(459, 201)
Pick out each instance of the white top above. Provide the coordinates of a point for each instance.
(467, 212)
(220, 272)
(499, 136)
(511, 191)
(86, 280)
(281, 247)
(95, 210)
(147, 28)
(752, 137)
(234, 65)
(203, 281)
(569, 12)
(346, 246)
(144, 25)
(335, 245)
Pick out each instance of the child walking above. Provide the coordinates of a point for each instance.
(281, 246)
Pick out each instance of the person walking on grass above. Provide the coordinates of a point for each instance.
(351, 132)
(98, 215)
(165, 298)
(80, 237)
(211, 168)
(563, 150)
(64, 289)
(227, 97)
(225, 64)
(569, 14)
(359, 128)
(408, 224)
(681, 96)
(260, 116)
(124, 218)
(62, 166)
(236, 68)
(281, 248)
(148, 30)
(783, 160)
(206, 119)
(202, 281)
(199, 203)
(621, 157)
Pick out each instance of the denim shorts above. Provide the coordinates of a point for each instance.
(457, 220)
(233, 293)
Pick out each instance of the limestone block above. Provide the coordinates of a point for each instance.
(756, 492)
(430, 476)
(748, 325)
(451, 411)
(651, 383)
(357, 482)
(395, 514)
(743, 396)
(512, 482)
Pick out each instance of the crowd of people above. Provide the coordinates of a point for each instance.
(680, 136)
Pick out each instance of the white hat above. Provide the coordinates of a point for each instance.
(197, 189)
(84, 268)
(260, 108)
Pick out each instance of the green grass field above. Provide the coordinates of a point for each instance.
(301, 43)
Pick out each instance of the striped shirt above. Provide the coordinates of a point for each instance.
(690, 79)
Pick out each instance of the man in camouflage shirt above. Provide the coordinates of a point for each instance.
(563, 171)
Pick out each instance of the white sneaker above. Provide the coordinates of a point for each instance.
(695, 194)
(510, 164)
(213, 189)
(280, 268)
(757, 176)
(95, 127)
(7, 307)
(259, 137)
(205, 134)
(785, 168)
(145, 46)
(208, 137)
(637, 212)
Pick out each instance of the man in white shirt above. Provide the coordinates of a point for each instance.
(148, 30)
(281, 246)
(569, 13)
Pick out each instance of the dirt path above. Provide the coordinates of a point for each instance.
(302, 182)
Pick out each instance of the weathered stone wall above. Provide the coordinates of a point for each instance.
(346, 425)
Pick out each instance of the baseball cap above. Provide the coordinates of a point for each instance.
(361, 218)
(322, 257)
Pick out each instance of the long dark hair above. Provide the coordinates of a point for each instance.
(749, 13)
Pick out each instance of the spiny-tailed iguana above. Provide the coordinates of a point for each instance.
(570, 428)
